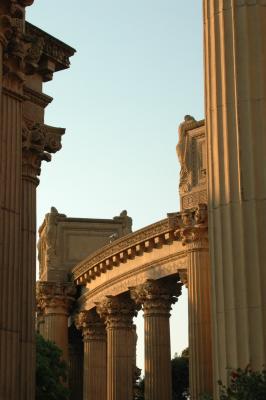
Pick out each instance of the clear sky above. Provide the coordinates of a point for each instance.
(137, 71)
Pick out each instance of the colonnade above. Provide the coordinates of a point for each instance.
(109, 335)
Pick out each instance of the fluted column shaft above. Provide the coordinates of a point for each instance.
(157, 298)
(56, 327)
(28, 277)
(95, 357)
(199, 313)
(235, 81)
(10, 286)
(118, 313)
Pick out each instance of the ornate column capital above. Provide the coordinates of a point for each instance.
(55, 297)
(117, 311)
(192, 226)
(38, 141)
(156, 296)
(91, 325)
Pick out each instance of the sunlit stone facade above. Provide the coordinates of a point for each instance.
(95, 275)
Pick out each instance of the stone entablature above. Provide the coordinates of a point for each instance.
(64, 241)
(191, 152)
(185, 227)
(143, 240)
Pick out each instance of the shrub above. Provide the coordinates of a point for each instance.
(51, 371)
(244, 385)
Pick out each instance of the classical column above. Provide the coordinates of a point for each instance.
(37, 144)
(193, 231)
(95, 362)
(235, 76)
(56, 299)
(11, 93)
(118, 313)
(156, 297)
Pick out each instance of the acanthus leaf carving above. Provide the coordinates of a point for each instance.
(91, 325)
(192, 225)
(117, 311)
(38, 141)
(156, 296)
(52, 295)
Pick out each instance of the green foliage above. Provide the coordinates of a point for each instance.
(180, 376)
(51, 371)
(139, 390)
(179, 366)
(244, 385)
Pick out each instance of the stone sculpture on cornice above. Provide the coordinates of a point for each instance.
(183, 154)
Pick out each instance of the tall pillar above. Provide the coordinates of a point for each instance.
(95, 361)
(12, 77)
(235, 82)
(118, 313)
(37, 144)
(193, 231)
(157, 296)
(56, 299)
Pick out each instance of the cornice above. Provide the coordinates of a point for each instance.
(53, 51)
(139, 239)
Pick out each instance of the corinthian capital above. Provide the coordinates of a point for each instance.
(55, 296)
(91, 325)
(156, 296)
(38, 141)
(192, 225)
(117, 311)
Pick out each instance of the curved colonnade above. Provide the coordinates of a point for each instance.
(143, 270)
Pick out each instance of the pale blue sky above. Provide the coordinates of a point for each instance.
(137, 71)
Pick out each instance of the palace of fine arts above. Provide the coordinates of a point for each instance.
(77, 281)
